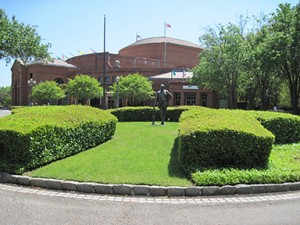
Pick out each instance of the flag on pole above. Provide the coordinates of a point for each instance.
(138, 37)
(93, 50)
(80, 52)
(173, 73)
(167, 25)
(64, 56)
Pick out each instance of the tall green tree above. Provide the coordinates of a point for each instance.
(261, 67)
(221, 61)
(285, 26)
(5, 96)
(134, 87)
(83, 87)
(18, 40)
(48, 91)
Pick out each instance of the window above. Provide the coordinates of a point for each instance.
(106, 78)
(176, 98)
(204, 99)
(190, 98)
(59, 81)
(100, 79)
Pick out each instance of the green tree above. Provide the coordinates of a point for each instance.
(135, 87)
(221, 61)
(83, 87)
(285, 26)
(48, 91)
(5, 96)
(18, 40)
(260, 66)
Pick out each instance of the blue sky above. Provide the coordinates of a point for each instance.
(72, 25)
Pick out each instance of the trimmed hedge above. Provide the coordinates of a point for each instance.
(33, 136)
(285, 127)
(127, 114)
(212, 138)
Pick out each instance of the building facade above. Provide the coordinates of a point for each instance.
(161, 59)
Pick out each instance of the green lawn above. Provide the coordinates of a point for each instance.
(139, 153)
(143, 154)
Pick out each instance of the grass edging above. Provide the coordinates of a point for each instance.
(146, 190)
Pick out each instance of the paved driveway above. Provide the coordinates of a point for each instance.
(23, 205)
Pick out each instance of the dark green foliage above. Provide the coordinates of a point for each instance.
(34, 136)
(222, 138)
(285, 127)
(128, 114)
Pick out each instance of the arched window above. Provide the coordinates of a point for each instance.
(59, 80)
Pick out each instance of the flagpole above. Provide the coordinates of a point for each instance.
(104, 69)
(165, 49)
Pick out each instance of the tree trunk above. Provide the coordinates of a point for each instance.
(294, 97)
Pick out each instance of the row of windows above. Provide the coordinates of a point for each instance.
(190, 98)
(114, 79)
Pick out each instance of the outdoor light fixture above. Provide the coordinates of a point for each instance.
(117, 98)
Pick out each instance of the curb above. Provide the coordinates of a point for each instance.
(146, 190)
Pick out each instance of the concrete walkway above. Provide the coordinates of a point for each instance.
(26, 205)
(4, 112)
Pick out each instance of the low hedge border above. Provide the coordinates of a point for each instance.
(210, 138)
(34, 136)
(127, 114)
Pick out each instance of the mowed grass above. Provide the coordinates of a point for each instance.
(139, 153)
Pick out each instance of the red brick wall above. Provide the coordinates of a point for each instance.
(176, 55)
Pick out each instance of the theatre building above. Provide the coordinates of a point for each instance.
(160, 59)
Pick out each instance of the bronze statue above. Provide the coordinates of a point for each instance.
(162, 99)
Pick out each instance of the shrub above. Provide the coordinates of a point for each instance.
(234, 176)
(212, 138)
(285, 127)
(127, 114)
(33, 136)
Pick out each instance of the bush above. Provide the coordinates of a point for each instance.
(212, 138)
(33, 136)
(235, 176)
(127, 114)
(285, 127)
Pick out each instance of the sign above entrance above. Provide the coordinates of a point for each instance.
(190, 87)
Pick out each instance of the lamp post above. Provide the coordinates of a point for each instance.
(117, 97)
(30, 83)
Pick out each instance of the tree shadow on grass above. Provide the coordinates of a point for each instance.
(174, 166)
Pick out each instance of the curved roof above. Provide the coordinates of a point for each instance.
(155, 40)
(53, 62)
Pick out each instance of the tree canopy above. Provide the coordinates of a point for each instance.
(48, 91)
(221, 60)
(254, 64)
(134, 87)
(18, 40)
(5, 96)
(83, 87)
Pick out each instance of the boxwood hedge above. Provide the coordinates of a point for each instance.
(127, 114)
(285, 127)
(212, 138)
(33, 136)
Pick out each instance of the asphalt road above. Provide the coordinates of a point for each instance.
(27, 208)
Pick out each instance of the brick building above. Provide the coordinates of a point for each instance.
(162, 59)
